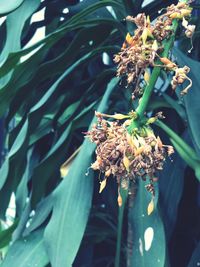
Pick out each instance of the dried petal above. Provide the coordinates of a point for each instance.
(150, 207)
(155, 45)
(126, 162)
(119, 200)
(184, 23)
(102, 185)
(129, 39)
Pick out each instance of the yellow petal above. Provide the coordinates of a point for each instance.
(119, 200)
(155, 45)
(102, 185)
(64, 168)
(148, 20)
(150, 207)
(116, 116)
(130, 140)
(146, 76)
(176, 15)
(119, 116)
(144, 35)
(151, 120)
(126, 162)
(184, 23)
(186, 12)
(149, 33)
(129, 39)
(139, 151)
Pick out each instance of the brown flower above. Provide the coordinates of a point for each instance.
(127, 156)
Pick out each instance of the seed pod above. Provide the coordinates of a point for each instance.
(166, 60)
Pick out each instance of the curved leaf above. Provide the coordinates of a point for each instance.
(8, 6)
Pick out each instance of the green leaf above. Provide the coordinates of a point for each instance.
(14, 24)
(42, 211)
(8, 6)
(26, 252)
(14, 165)
(171, 182)
(74, 23)
(71, 203)
(148, 236)
(6, 235)
(176, 105)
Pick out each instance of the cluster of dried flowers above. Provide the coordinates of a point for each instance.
(126, 156)
(123, 151)
(140, 51)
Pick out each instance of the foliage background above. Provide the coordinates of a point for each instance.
(47, 101)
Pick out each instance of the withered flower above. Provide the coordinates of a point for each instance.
(179, 77)
(140, 50)
(127, 156)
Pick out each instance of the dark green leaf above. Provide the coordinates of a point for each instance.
(72, 201)
(6, 235)
(27, 252)
(191, 100)
(148, 235)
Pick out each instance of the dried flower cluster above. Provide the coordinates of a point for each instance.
(126, 156)
(140, 51)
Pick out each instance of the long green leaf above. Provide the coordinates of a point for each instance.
(26, 252)
(72, 201)
(51, 39)
(148, 238)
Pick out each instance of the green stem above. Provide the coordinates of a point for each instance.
(156, 72)
(124, 195)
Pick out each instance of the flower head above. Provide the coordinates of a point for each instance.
(127, 156)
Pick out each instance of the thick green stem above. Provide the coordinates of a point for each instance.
(155, 74)
(124, 195)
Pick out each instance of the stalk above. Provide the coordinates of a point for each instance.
(156, 72)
